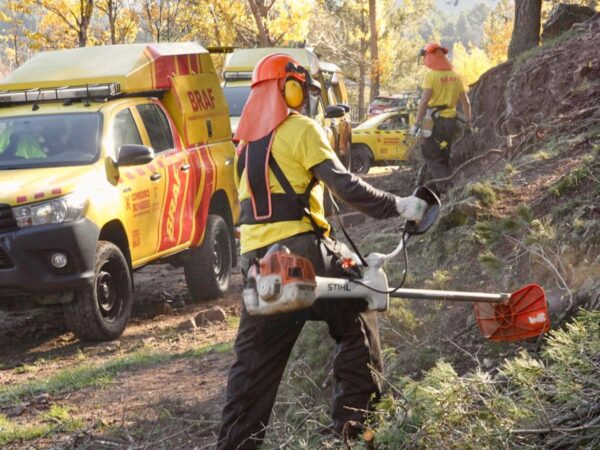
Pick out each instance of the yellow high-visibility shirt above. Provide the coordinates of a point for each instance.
(446, 87)
(299, 143)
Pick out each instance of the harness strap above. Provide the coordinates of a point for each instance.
(263, 206)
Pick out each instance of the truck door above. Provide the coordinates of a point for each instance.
(143, 189)
(176, 219)
(390, 138)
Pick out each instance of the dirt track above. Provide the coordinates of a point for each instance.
(179, 399)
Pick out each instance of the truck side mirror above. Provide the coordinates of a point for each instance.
(346, 107)
(134, 155)
(334, 112)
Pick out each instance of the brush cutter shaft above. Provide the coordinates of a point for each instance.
(458, 296)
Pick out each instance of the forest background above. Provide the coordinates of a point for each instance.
(375, 42)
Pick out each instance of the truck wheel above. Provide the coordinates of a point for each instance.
(102, 312)
(208, 267)
(361, 159)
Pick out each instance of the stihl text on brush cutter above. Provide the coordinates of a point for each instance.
(282, 282)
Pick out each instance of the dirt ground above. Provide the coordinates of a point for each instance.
(36, 346)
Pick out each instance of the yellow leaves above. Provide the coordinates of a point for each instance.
(471, 63)
(288, 20)
(497, 31)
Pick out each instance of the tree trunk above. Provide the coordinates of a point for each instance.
(362, 75)
(263, 34)
(374, 49)
(526, 31)
(112, 19)
(87, 9)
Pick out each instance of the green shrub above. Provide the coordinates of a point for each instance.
(484, 192)
(531, 403)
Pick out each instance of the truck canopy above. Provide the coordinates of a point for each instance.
(136, 67)
(184, 71)
(245, 60)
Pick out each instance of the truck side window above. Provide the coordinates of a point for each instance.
(157, 127)
(125, 131)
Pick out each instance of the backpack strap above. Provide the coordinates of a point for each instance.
(263, 206)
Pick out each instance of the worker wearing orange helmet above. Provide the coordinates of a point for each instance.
(443, 88)
(282, 163)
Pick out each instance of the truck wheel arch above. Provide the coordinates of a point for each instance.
(114, 232)
(219, 205)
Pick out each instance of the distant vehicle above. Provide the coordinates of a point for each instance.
(383, 137)
(382, 104)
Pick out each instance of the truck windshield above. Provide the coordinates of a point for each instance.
(49, 140)
(236, 98)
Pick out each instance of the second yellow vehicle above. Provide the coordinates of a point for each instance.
(383, 137)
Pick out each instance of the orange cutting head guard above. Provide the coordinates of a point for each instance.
(278, 83)
(434, 57)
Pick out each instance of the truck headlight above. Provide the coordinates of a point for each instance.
(58, 210)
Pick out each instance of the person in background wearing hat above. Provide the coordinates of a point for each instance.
(443, 88)
(281, 164)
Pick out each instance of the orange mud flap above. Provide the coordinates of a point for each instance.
(501, 317)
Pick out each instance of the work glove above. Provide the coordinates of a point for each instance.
(414, 130)
(411, 208)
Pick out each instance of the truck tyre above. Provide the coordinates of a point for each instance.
(102, 312)
(208, 268)
(361, 159)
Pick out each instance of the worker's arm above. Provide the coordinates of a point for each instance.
(466, 107)
(353, 190)
(423, 105)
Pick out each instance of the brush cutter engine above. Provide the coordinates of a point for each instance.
(280, 282)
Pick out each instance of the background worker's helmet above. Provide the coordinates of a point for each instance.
(432, 47)
(434, 59)
(296, 79)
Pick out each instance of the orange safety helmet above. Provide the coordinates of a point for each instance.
(434, 59)
(279, 82)
(276, 67)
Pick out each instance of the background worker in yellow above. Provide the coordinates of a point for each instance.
(443, 88)
(282, 162)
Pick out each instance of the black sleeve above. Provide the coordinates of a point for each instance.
(354, 191)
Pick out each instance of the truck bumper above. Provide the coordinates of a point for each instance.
(25, 268)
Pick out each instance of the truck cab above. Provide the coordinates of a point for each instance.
(112, 158)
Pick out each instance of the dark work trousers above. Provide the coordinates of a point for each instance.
(263, 346)
(436, 150)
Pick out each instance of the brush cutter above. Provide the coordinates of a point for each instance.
(283, 282)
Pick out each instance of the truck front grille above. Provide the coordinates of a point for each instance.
(7, 221)
(5, 261)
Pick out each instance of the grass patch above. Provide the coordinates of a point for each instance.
(588, 170)
(528, 54)
(57, 418)
(100, 375)
(491, 261)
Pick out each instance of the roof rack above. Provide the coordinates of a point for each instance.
(231, 76)
(88, 91)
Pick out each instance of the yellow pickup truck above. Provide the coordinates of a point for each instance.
(111, 158)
